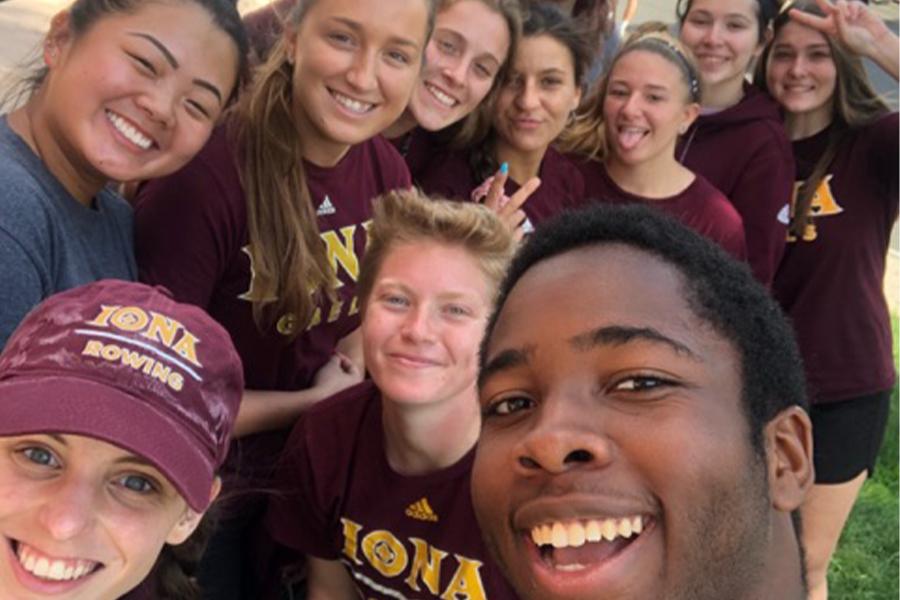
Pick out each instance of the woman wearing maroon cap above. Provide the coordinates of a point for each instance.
(830, 281)
(116, 408)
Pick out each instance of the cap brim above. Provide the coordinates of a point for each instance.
(44, 404)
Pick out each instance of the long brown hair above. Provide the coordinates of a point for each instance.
(290, 264)
(855, 103)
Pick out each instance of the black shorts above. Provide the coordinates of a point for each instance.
(847, 436)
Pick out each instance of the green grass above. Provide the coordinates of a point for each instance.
(865, 566)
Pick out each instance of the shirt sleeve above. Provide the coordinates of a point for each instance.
(188, 227)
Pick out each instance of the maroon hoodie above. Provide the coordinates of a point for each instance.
(744, 151)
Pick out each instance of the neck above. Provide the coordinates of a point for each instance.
(523, 165)
(656, 178)
(402, 126)
(423, 439)
(783, 569)
(83, 182)
(803, 125)
(723, 95)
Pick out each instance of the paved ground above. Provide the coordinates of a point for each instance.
(23, 21)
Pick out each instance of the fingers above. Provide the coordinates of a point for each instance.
(495, 194)
(825, 25)
(518, 199)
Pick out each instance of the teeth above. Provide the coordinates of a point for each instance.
(134, 136)
(351, 104)
(574, 534)
(52, 569)
(443, 98)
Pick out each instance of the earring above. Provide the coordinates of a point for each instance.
(683, 129)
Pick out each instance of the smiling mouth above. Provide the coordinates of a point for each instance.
(129, 131)
(351, 104)
(52, 570)
(572, 546)
(438, 94)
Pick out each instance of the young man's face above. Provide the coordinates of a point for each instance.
(613, 412)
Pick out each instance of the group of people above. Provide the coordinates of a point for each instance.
(409, 266)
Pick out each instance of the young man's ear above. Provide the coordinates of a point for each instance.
(189, 521)
(57, 38)
(789, 454)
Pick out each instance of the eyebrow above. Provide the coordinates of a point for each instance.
(617, 335)
(170, 58)
(58, 438)
(356, 26)
(508, 359)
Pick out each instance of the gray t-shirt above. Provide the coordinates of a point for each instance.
(49, 241)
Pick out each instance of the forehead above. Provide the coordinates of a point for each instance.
(646, 66)
(800, 35)
(406, 19)
(432, 265)
(745, 8)
(542, 52)
(605, 285)
(482, 27)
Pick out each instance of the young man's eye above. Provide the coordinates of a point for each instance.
(641, 383)
(40, 456)
(394, 300)
(508, 406)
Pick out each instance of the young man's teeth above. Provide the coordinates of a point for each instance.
(351, 104)
(53, 569)
(441, 96)
(134, 136)
(575, 534)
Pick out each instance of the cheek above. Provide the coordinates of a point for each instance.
(478, 91)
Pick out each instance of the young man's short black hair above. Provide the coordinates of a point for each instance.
(719, 290)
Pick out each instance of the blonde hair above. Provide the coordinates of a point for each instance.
(290, 263)
(405, 216)
(587, 134)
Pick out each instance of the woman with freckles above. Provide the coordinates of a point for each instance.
(127, 90)
(107, 467)
(374, 482)
(266, 227)
(830, 281)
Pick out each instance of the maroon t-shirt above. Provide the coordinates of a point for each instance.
(400, 536)
(562, 186)
(745, 153)
(419, 148)
(191, 236)
(830, 281)
(699, 206)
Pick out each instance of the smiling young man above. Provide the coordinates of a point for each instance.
(644, 433)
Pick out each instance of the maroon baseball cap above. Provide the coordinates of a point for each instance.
(124, 363)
